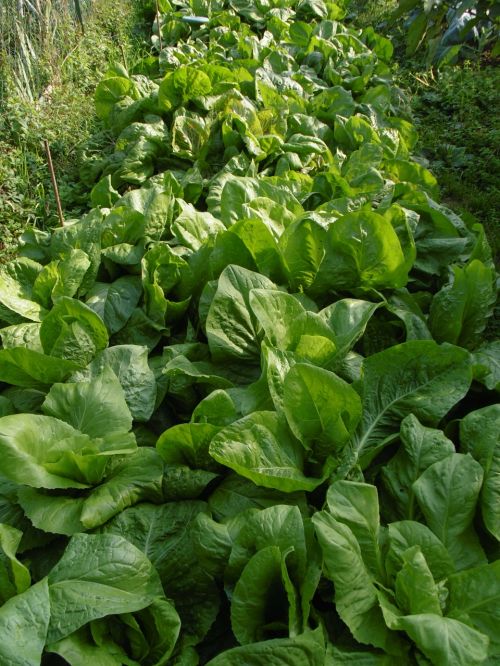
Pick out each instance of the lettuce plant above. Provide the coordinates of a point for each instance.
(247, 411)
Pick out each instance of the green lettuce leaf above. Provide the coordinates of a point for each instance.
(24, 622)
(422, 447)
(356, 506)
(445, 641)
(404, 536)
(17, 300)
(163, 534)
(259, 587)
(416, 591)
(155, 203)
(447, 493)
(306, 649)
(487, 365)
(73, 331)
(28, 368)
(322, 410)
(479, 437)
(356, 598)
(61, 277)
(80, 649)
(14, 576)
(96, 408)
(43, 452)
(418, 377)
(179, 87)
(131, 479)
(22, 335)
(236, 494)
(362, 250)
(130, 365)
(474, 600)
(460, 311)
(115, 302)
(83, 235)
(232, 328)
(98, 575)
(261, 448)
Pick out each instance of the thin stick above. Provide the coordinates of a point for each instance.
(54, 182)
(159, 27)
(124, 57)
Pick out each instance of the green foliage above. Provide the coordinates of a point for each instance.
(459, 137)
(63, 68)
(457, 134)
(246, 408)
(448, 29)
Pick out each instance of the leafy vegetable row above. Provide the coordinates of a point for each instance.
(247, 410)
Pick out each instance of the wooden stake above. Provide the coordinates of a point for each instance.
(159, 26)
(54, 182)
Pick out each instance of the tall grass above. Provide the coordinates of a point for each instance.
(49, 69)
(35, 37)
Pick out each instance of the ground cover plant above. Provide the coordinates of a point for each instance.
(248, 412)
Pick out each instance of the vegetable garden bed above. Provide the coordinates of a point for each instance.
(247, 413)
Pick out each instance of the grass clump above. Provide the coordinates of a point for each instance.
(46, 92)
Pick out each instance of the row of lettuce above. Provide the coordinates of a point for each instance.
(248, 413)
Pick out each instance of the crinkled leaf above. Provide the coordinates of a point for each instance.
(163, 534)
(135, 478)
(130, 365)
(98, 575)
(31, 444)
(16, 290)
(61, 277)
(73, 331)
(22, 335)
(24, 621)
